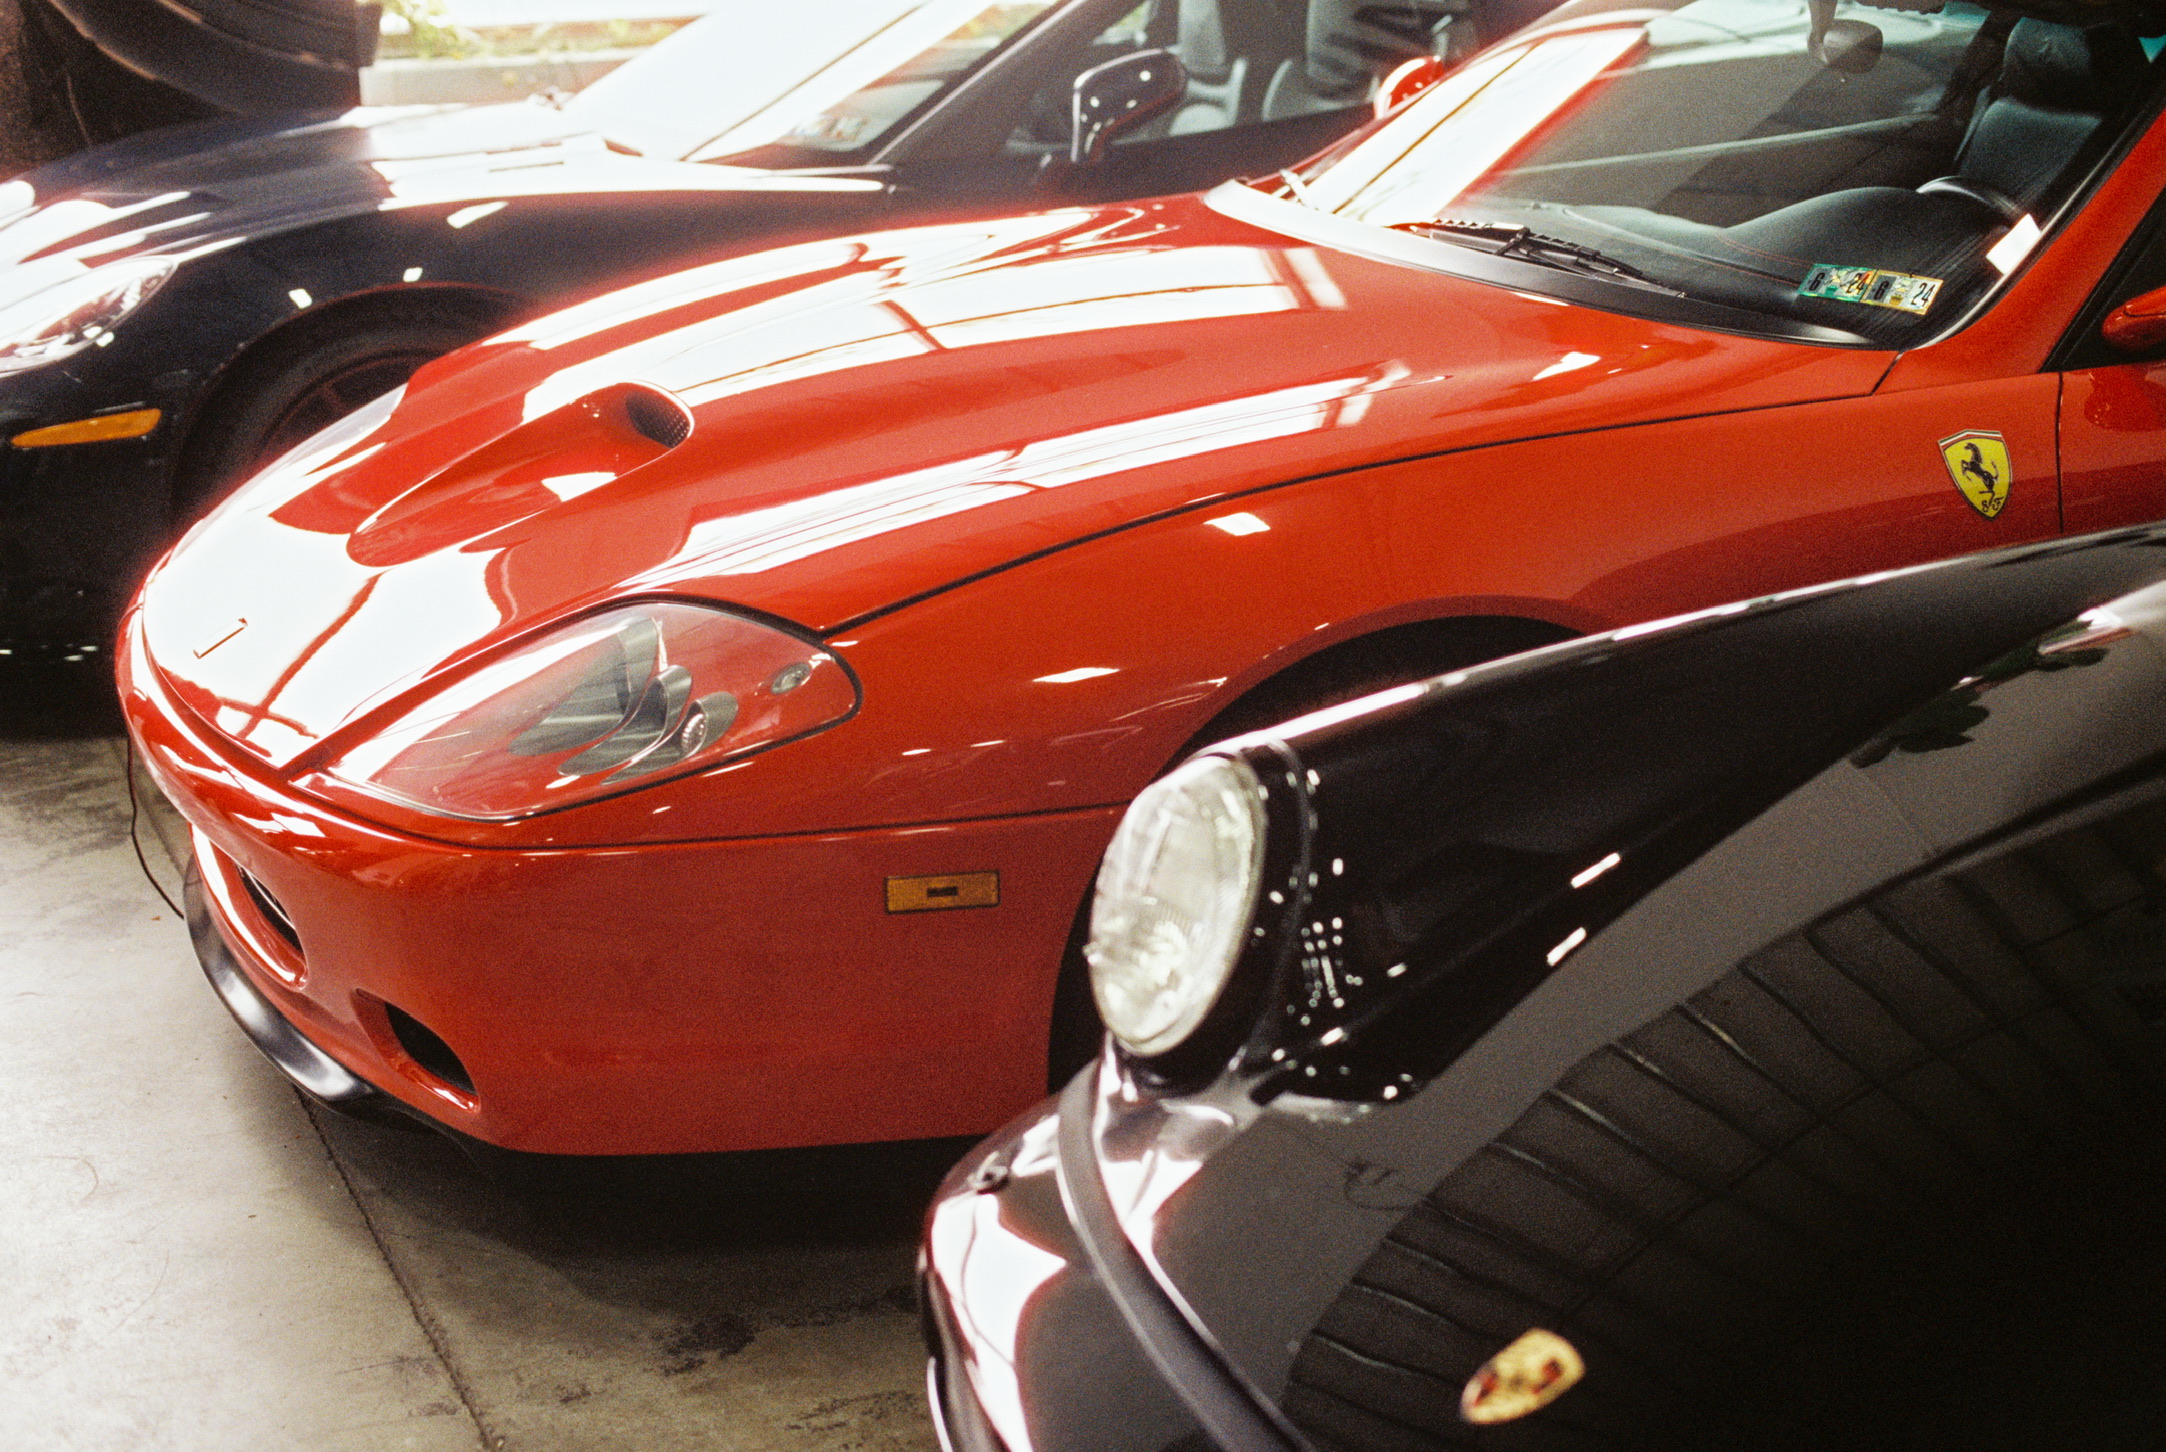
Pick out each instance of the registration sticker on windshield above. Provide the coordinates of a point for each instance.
(1875, 288)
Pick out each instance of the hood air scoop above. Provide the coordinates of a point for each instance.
(544, 463)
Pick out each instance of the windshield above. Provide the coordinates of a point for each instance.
(1869, 170)
(754, 76)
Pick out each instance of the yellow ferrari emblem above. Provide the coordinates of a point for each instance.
(1524, 1377)
(1978, 463)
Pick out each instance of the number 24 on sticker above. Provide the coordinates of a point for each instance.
(1871, 286)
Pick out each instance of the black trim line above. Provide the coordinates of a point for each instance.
(312, 1071)
(1234, 1418)
(866, 617)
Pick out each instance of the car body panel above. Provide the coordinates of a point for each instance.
(1059, 490)
(287, 223)
(1263, 1212)
(1007, 1293)
(744, 961)
(2111, 421)
(1163, 404)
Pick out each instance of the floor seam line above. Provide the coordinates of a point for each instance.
(430, 1329)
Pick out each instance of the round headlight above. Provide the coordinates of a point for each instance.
(617, 701)
(62, 320)
(1176, 892)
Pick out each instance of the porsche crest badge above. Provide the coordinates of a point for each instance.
(1978, 463)
(1524, 1377)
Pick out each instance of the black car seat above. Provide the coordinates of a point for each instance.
(1232, 49)
(1349, 45)
(2057, 85)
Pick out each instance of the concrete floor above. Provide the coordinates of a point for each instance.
(193, 1257)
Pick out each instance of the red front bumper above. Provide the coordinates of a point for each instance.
(644, 999)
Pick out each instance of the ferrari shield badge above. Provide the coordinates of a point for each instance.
(1978, 463)
(1524, 1377)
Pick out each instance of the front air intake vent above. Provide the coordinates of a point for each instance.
(272, 911)
(426, 1049)
(658, 416)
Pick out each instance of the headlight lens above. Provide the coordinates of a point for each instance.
(621, 700)
(62, 320)
(1176, 893)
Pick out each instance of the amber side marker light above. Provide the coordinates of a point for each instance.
(954, 890)
(130, 425)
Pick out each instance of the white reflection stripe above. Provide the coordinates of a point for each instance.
(680, 289)
(763, 539)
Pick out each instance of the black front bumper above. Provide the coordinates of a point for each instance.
(80, 524)
(309, 1069)
(1047, 1331)
(1029, 1352)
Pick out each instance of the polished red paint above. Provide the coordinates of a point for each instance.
(2138, 325)
(1058, 489)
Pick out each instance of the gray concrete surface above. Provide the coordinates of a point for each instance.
(191, 1258)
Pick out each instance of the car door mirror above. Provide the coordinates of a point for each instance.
(2138, 325)
(1120, 96)
(1409, 81)
(1850, 46)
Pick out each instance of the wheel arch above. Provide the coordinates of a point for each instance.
(493, 309)
(1368, 655)
(1404, 645)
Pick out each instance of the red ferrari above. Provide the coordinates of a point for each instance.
(691, 721)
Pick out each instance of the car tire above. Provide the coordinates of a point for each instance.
(1343, 672)
(299, 383)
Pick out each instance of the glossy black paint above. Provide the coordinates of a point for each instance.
(1875, 953)
(306, 224)
(237, 55)
(1462, 827)
(1004, 1209)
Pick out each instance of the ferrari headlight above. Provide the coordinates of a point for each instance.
(620, 700)
(1176, 893)
(62, 320)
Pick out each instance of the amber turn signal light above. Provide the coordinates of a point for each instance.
(130, 425)
(953, 890)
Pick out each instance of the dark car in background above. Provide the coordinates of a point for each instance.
(1743, 1031)
(178, 307)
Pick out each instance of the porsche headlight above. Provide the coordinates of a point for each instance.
(620, 700)
(62, 320)
(1176, 893)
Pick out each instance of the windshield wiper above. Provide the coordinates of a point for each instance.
(1283, 183)
(1527, 245)
(1298, 188)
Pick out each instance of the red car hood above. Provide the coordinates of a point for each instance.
(877, 418)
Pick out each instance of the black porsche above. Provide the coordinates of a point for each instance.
(1743, 1032)
(179, 306)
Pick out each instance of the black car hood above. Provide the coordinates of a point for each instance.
(193, 188)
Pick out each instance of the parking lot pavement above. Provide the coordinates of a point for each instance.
(758, 1305)
(194, 1259)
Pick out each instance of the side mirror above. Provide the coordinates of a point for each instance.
(1120, 96)
(1408, 81)
(1841, 45)
(2138, 325)
(1850, 46)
